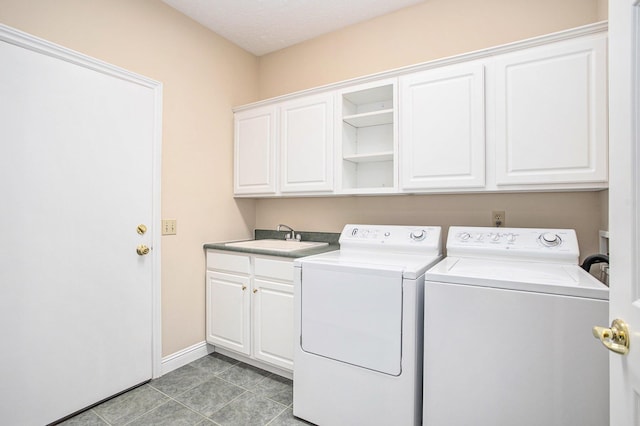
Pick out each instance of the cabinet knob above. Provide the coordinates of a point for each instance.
(244, 287)
(255, 290)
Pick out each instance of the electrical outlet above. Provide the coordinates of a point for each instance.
(498, 218)
(169, 226)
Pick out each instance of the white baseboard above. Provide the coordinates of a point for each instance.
(194, 352)
(262, 365)
(185, 356)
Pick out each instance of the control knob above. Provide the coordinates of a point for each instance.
(550, 239)
(418, 235)
(464, 236)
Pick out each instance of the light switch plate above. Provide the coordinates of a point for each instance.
(169, 226)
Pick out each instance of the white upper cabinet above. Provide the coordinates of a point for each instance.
(442, 137)
(306, 144)
(255, 151)
(551, 114)
(526, 116)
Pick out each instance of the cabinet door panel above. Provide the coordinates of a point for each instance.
(273, 322)
(255, 151)
(228, 301)
(551, 114)
(307, 144)
(442, 140)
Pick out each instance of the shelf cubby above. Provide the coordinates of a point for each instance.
(368, 138)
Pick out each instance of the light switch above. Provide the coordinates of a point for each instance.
(169, 226)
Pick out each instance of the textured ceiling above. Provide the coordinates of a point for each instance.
(264, 26)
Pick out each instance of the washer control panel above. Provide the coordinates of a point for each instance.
(555, 245)
(390, 237)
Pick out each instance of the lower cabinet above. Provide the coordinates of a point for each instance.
(250, 306)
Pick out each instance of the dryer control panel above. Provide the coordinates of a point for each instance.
(401, 238)
(534, 244)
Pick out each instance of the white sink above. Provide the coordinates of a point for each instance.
(277, 245)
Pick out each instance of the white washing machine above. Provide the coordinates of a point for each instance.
(359, 319)
(508, 341)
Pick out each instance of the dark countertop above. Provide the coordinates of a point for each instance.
(262, 234)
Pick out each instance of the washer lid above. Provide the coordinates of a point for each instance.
(569, 280)
(411, 265)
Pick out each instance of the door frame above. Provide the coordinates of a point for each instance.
(35, 44)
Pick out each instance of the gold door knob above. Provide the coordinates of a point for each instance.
(616, 338)
(142, 250)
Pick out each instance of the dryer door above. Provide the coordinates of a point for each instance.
(353, 314)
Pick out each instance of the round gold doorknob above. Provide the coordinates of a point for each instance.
(142, 250)
(615, 338)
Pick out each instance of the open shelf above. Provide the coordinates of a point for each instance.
(368, 138)
(367, 119)
(369, 158)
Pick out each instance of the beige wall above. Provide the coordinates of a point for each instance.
(203, 77)
(430, 30)
(579, 210)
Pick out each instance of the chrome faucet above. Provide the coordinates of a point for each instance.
(292, 235)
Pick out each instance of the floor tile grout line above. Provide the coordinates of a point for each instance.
(151, 409)
(240, 386)
(230, 401)
(191, 409)
(100, 417)
(276, 416)
(164, 403)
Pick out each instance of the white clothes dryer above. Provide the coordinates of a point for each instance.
(358, 327)
(508, 340)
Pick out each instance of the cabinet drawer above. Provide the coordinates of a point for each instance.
(276, 269)
(229, 262)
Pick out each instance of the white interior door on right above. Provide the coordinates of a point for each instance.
(624, 206)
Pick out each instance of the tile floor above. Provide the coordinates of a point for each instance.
(213, 390)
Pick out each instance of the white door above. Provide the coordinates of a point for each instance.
(442, 138)
(79, 141)
(306, 151)
(624, 203)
